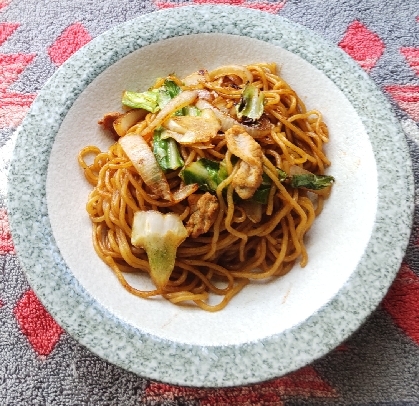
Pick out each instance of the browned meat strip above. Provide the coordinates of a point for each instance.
(204, 212)
(249, 175)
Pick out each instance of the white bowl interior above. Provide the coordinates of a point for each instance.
(335, 244)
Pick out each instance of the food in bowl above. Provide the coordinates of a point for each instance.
(213, 181)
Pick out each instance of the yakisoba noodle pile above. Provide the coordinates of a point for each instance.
(213, 182)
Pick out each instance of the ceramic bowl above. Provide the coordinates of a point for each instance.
(355, 246)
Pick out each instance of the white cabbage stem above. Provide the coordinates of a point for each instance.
(159, 235)
(123, 123)
(242, 72)
(144, 161)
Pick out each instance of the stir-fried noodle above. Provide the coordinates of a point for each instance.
(246, 209)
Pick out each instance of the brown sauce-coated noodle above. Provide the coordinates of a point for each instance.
(235, 250)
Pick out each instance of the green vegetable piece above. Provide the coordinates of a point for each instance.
(151, 100)
(282, 175)
(190, 111)
(251, 103)
(209, 174)
(311, 181)
(148, 100)
(169, 91)
(222, 171)
(163, 98)
(171, 88)
(266, 180)
(206, 173)
(261, 195)
(166, 152)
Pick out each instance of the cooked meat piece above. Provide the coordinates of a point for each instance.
(246, 180)
(204, 212)
(107, 122)
(249, 175)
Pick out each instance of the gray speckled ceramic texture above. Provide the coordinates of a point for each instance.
(212, 366)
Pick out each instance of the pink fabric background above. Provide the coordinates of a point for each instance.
(41, 365)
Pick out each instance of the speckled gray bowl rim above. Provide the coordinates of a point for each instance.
(176, 363)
